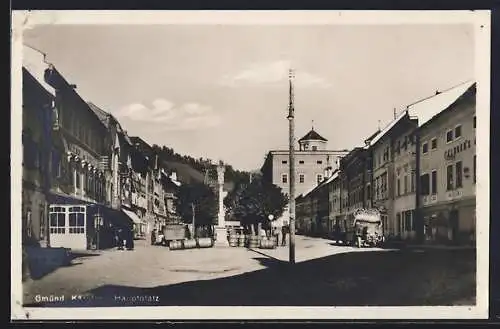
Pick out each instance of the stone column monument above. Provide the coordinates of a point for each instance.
(220, 230)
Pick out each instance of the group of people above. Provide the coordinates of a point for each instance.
(124, 239)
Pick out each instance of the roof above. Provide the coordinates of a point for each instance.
(34, 63)
(103, 115)
(384, 131)
(313, 135)
(325, 182)
(426, 109)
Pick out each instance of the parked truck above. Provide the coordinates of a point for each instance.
(172, 232)
(362, 228)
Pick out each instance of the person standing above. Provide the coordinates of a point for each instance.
(284, 232)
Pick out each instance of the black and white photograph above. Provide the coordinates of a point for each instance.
(259, 165)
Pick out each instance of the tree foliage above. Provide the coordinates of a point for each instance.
(253, 203)
(204, 200)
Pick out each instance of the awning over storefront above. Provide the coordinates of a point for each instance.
(133, 216)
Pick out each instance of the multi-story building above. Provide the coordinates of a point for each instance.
(82, 177)
(404, 159)
(311, 160)
(38, 104)
(447, 164)
(353, 167)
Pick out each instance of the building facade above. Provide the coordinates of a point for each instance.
(311, 161)
(38, 104)
(448, 170)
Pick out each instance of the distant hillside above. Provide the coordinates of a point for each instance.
(191, 170)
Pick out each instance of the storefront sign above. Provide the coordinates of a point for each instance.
(429, 199)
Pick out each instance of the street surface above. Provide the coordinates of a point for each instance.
(324, 274)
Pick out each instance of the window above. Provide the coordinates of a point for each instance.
(398, 222)
(425, 148)
(284, 178)
(474, 169)
(408, 220)
(301, 161)
(57, 220)
(319, 178)
(434, 182)
(412, 182)
(397, 148)
(458, 131)
(434, 144)
(405, 184)
(398, 186)
(449, 136)
(319, 162)
(474, 122)
(369, 191)
(56, 164)
(405, 143)
(301, 178)
(76, 220)
(42, 222)
(77, 179)
(458, 172)
(449, 177)
(284, 162)
(424, 182)
(315, 148)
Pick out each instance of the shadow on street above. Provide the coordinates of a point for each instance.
(383, 278)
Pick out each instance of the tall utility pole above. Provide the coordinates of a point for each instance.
(291, 136)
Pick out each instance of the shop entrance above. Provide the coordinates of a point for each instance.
(68, 226)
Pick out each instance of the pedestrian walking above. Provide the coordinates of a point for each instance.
(284, 232)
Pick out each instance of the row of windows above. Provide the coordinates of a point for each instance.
(302, 161)
(454, 178)
(302, 177)
(408, 184)
(451, 135)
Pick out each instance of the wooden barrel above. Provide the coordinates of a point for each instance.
(241, 240)
(189, 244)
(233, 239)
(205, 242)
(267, 243)
(176, 245)
(253, 241)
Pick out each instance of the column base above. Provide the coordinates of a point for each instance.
(221, 237)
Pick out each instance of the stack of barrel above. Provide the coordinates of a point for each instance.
(233, 238)
(241, 240)
(253, 241)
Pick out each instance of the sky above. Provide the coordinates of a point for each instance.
(221, 91)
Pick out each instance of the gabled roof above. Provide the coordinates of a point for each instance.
(313, 135)
(384, 131)
(34, 63)
(430, 107)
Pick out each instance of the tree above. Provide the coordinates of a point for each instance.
(204, 200)
(253, 203)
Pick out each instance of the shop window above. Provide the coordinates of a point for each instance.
(57, 220)
(449, 177)
(449, 136)
(408, 221)
(458, 131)
(458, 173)
(434, 182)
(76, 220)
